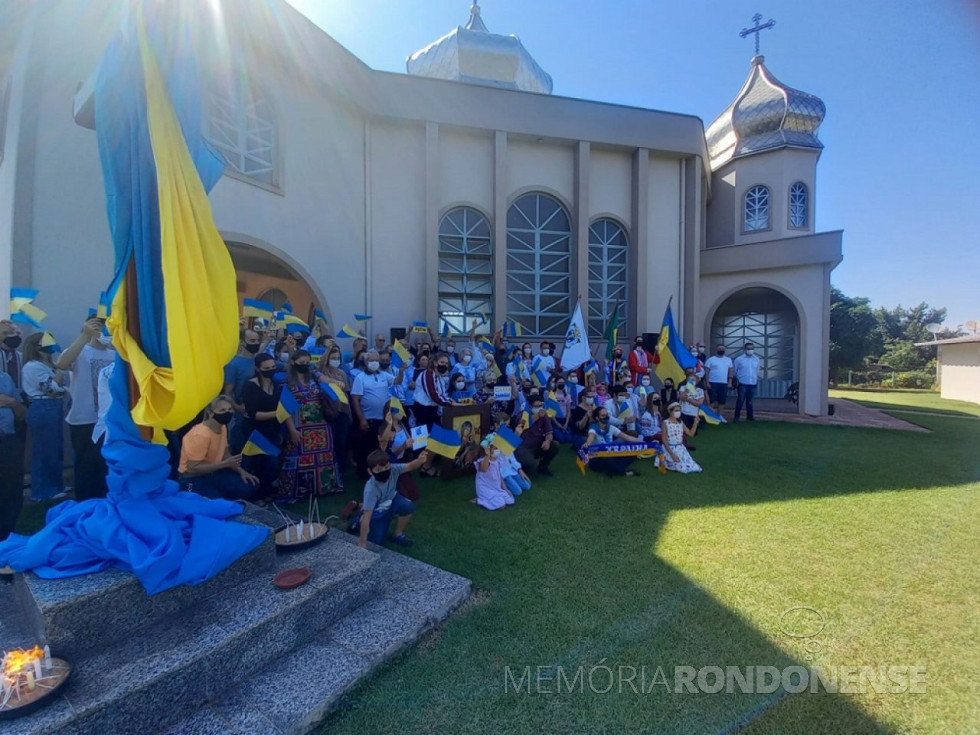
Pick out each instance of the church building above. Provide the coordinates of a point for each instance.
(464, 185)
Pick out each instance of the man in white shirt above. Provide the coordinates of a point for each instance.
(747, 373)
(720, 371)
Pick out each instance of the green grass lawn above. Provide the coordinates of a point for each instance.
(904, 401)
(875, 529)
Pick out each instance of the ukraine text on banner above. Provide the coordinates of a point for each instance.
(258, 444)
(444, 442)
(617, 449)
(674, 356)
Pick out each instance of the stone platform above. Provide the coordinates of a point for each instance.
(219, 657)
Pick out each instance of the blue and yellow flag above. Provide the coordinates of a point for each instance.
(334, 391)
(288, 405)
(318, 314)
(444, 442)
(21, 296)
(710, 416)
(674, 356)
(348, 332)
(506, 440)
(258, 444)
(396, 406)
(362, 317)
(445, 329)
(551, 406)
(486, 343)
(257, 308)
(400, 355)
(513, 329)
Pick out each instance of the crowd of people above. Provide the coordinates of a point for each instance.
(320, 414)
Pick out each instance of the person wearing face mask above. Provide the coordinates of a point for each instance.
(12, 412)
(747, 374)
(720, 373)
(239, 371)
(432, 391)
(451, 351)
(43, 387)
(602, 431)
(260, 396)
(382, 503)
(668, 395)
(651, 422)
(617, 366)
(640, 362)
(207, 466)
(581, 416)
(538, 446)
(343, 419)
(676, 455)
(369, 395)
(545, 359)
(491, 490)
(85, 357)
(691, 396)
(309, 463)
(623, 406)
(11, 361)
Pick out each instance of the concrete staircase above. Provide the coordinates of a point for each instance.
(225, 656)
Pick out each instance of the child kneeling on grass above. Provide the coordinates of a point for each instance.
(382, 501)
(491, 491)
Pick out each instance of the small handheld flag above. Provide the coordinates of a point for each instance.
(444, 442)
(483, 316)
(506, 440)
(335, 392)
(21, 296)
(445, 329)
(396, 406)
(258, 444)
(317, 314)
(399, 355)
(297, 327)
(288, 405)
(420, 327)
(349, 332)
(362, 317)
(486, 344)
(551, 406)
(710, 416)
(33, 312)
(539, 378)
(287, 307)
(49, 344)
(513, 329)
(257, 308)
(21, 318)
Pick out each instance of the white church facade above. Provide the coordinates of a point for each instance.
(460, 187)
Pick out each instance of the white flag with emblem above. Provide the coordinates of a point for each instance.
(576, 342)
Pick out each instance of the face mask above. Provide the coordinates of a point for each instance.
(573, 380)
(617, 354)
(590, 401)
(223, 418)
(720, 352)
(385, 365)
(284, 357)
(450, 349)
(373, 366)
(467, 359)
(13, 341)
(536, 410)
(267, 373)
(460, 385)
(527, 350)
(750, 352)
(561, 386)
(639, 345)
(382, 476)
(603, 420)
(675, 413)
(442, 369)
(107, 341)
(545, 351)
(252, 348)
(334, 363)
(302, 369)
(644, 382)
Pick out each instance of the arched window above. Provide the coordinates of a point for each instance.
(241, 125)
(608, 279)
(757, 209)
(465, 268)
(799, 202)
(539, 264)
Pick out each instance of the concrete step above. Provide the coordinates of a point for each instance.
(75, 614)
(295, 692)
(162, 672)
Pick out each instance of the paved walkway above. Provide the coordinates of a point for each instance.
(846, 413)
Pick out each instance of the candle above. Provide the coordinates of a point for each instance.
(300, 531)
(30, 681)
(47, 658)
(37, 669)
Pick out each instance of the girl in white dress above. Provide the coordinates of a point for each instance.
(491, 491)
(676, 454)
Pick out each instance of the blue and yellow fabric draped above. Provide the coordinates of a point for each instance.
(675, 358)
(157, 170)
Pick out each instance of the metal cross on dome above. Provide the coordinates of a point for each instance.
(756, 29)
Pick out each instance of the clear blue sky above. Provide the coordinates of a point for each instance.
(901, 81)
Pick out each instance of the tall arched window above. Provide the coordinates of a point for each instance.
(539, 264)
(608, 273)
(465, 268)
(799, 203)
(241, 124)
(757, 209)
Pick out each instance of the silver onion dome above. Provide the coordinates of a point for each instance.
(473, 54)
(765, 114)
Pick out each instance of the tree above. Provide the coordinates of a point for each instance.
(852, 332)
(900, 328)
